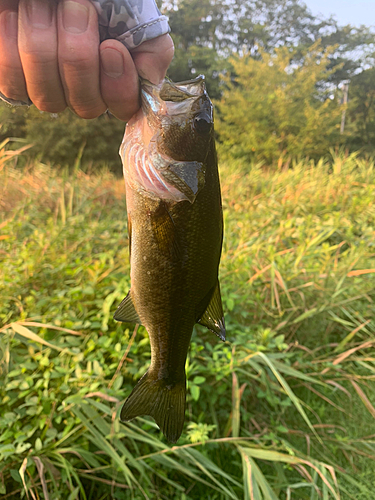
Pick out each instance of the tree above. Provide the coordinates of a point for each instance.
(196, 25)
(207, 32)
(271, 108)
(361, 112)
(58, 138)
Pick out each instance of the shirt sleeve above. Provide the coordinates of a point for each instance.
(132, 22)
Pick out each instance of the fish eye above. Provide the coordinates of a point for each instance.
(202, 123)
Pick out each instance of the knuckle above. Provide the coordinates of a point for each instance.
(79, 57)
(49, 107)
(122, 114)
(11, 76)
(124, 108)
(89, 109)
(38, 53)
(15, 97)
(14, 92)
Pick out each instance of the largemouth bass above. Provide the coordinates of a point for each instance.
(175, 236)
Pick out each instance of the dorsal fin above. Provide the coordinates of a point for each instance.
(126, 311)
(213, 317)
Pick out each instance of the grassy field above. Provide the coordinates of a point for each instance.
(284, 409)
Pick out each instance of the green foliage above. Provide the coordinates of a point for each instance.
(361, 112)
(206, 34)
(290, 120)
(271, 108)
(284, 408)
(196, 60)
(56, 139)
(222, 28)
(231, 26)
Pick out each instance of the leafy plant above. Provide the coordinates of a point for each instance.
(283, 410)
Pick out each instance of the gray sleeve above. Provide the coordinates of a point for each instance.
(132, 22)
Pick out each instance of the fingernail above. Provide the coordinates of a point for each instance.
(40, 13)
(113, 63)
(150, 73)
(11, 24)
(75, 17)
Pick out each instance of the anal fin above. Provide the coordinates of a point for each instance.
(126, 311)
(213, 317)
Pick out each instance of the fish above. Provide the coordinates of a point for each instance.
(175, 226)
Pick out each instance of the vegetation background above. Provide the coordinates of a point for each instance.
(285, 409)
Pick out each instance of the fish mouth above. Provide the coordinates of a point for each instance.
(172, 98)
(178, 92)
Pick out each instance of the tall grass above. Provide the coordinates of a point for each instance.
(283, 410)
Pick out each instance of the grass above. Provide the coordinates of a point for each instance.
(283, 410)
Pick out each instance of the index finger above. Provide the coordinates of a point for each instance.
(78, 52)
(119, 80)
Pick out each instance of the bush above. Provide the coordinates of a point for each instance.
(56, 139)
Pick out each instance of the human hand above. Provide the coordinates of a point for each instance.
(52, 54)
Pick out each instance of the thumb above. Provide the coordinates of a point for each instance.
(153, 58)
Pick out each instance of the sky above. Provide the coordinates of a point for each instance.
(355, 12)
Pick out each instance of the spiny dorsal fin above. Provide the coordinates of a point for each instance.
(126, 311)
(213, 317)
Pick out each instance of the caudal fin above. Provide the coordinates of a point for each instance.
(160, 399)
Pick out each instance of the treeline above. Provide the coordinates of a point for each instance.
(275, 72)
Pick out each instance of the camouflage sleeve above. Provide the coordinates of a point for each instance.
(132, 22)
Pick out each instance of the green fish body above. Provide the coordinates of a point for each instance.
(175, 233)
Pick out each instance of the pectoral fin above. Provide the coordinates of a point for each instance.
(187, 177)
(126, 311)
(174, 180)
(213, 317)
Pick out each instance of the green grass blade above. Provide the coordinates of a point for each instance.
(289, 392)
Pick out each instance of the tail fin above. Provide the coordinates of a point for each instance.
(160, 399)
